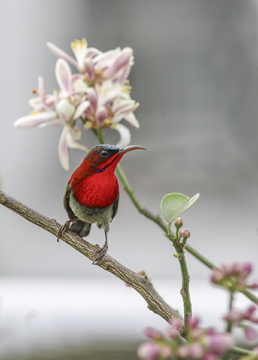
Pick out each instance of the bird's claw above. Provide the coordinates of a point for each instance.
(62, 230)
(100, 253)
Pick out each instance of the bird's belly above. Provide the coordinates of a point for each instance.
(101, 216)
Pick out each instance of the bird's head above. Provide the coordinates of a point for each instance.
(103, 159)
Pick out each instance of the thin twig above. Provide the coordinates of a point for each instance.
(140, 283)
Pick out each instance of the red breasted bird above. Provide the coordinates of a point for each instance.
(92, 193)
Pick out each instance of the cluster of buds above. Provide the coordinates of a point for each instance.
(238, 319)
(202, 343)
(181, 234)
(233, 276)
(98, 94)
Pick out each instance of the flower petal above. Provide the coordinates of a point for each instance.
(125, 135)
(63, 150)
(60, 53)
(65, 108)
(132, 120)
(39, 119)
(64, 76)
(122, 60)
(72, 136)
(80, 109)
(101, 114)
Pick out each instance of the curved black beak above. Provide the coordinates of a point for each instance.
(126, 149)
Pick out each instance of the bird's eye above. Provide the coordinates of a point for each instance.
(104, 153)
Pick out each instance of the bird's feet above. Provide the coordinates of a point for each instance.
(62, 230)
(100, 253)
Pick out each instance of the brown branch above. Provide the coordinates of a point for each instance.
(140, 283)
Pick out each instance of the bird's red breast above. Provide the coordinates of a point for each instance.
(95, 185)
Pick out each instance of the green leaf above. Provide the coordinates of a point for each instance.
(173, 205)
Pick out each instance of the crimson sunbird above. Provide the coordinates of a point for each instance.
(92, 193)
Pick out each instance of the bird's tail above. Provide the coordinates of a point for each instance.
(81, 228)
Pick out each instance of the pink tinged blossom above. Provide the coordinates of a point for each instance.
(101, 114)
(125, 135)
(64, 76)
(219, 343)
(79, 48)
(148, 351)
(38, 119)
(104, 60)
(250, 333)
(89, 68)
(60, 53)
(122, 62)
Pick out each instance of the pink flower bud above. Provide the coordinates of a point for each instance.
(196, 351)
(219, 343)
(247, 268)
(153, 334)
(233, 316)
(217, 276)
(192, 321)
(250, 333)
(148, 351)
(182, 351)
(174, 329)
(253, 286)
(184, 233)
(166, 351)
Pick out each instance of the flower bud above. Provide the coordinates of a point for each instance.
(178, 223)
(247, 268)
(153, 334)
(219, 343)
(148, 351)
(184, 233)
(196, 351)
(217, 276)
(182, 351)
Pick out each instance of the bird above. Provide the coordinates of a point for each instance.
(92, 193)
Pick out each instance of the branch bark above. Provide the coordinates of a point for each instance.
(140, 283)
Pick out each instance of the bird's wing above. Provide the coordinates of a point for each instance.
(67, 207)
(115, 207)
(80, 227)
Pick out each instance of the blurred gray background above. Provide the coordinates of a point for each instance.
(195, 76)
